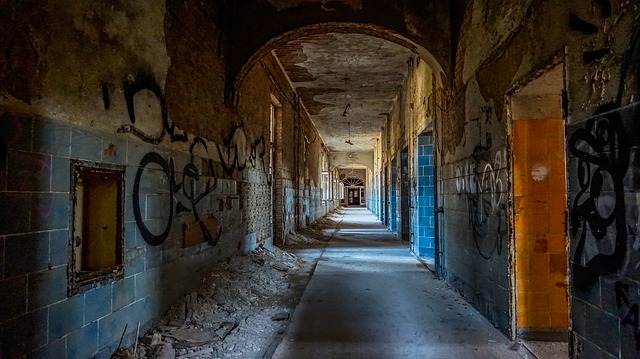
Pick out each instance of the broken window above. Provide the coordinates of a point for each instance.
(326, 186)
(97, 235)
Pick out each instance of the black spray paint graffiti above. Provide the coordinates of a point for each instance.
(588, 28)
(486, 134)
(578, 24)
(236, 154)
(631, 318)
(235, 157)
(482, 184)
(188, 185)
(481, 181)
(145, 81)
(602, 149)
(190, 174)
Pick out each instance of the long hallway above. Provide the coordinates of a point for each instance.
(369, 297)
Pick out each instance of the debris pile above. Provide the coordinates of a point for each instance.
(305, 239)
(235, 313)
(326, 221)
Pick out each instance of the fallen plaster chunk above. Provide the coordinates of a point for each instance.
(236, 312)
(206, 351)
(193, 336)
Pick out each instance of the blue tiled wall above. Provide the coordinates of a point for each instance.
(424, 236)
(38, 317)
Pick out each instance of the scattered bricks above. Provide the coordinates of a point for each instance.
(47, 287)
(97, 303)
(66, 316)
(26, 253)
(13, 296)
(86, 146)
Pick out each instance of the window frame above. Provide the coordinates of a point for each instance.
(326, 185)
(80, 281)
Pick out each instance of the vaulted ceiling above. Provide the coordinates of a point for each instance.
(348, 84)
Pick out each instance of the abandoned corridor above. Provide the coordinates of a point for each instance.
(369, 297)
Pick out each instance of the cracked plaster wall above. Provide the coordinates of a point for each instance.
(117, 84)
(500, 47)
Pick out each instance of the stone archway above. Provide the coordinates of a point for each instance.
(260, 26)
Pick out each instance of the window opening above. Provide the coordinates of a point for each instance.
(326, 186)
(97, 236)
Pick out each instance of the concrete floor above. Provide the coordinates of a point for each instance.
(370, 298)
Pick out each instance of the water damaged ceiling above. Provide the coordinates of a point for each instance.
(348, 83)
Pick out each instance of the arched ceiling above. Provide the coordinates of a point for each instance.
(348, 84)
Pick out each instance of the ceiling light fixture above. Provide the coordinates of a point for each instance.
(346, 108)
(349, 140)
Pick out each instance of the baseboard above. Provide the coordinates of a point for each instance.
(544, 334)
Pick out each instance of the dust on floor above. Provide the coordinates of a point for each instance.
(239, 310)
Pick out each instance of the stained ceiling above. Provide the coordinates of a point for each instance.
(348, 84)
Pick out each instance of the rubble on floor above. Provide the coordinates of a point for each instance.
(305, 239)
(236, 313)
(326, 221)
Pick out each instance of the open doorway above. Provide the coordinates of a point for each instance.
(405, 189)
(393, 198)
(275, 159)
(424, 213)
(355, 191)
(540, 202)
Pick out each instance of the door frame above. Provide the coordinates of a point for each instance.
(558, 60)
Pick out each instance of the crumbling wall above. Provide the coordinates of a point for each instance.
(422, 26)
(602, 169)
(500, 46)
(138, 87)
(410, 115)
(298, 148)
